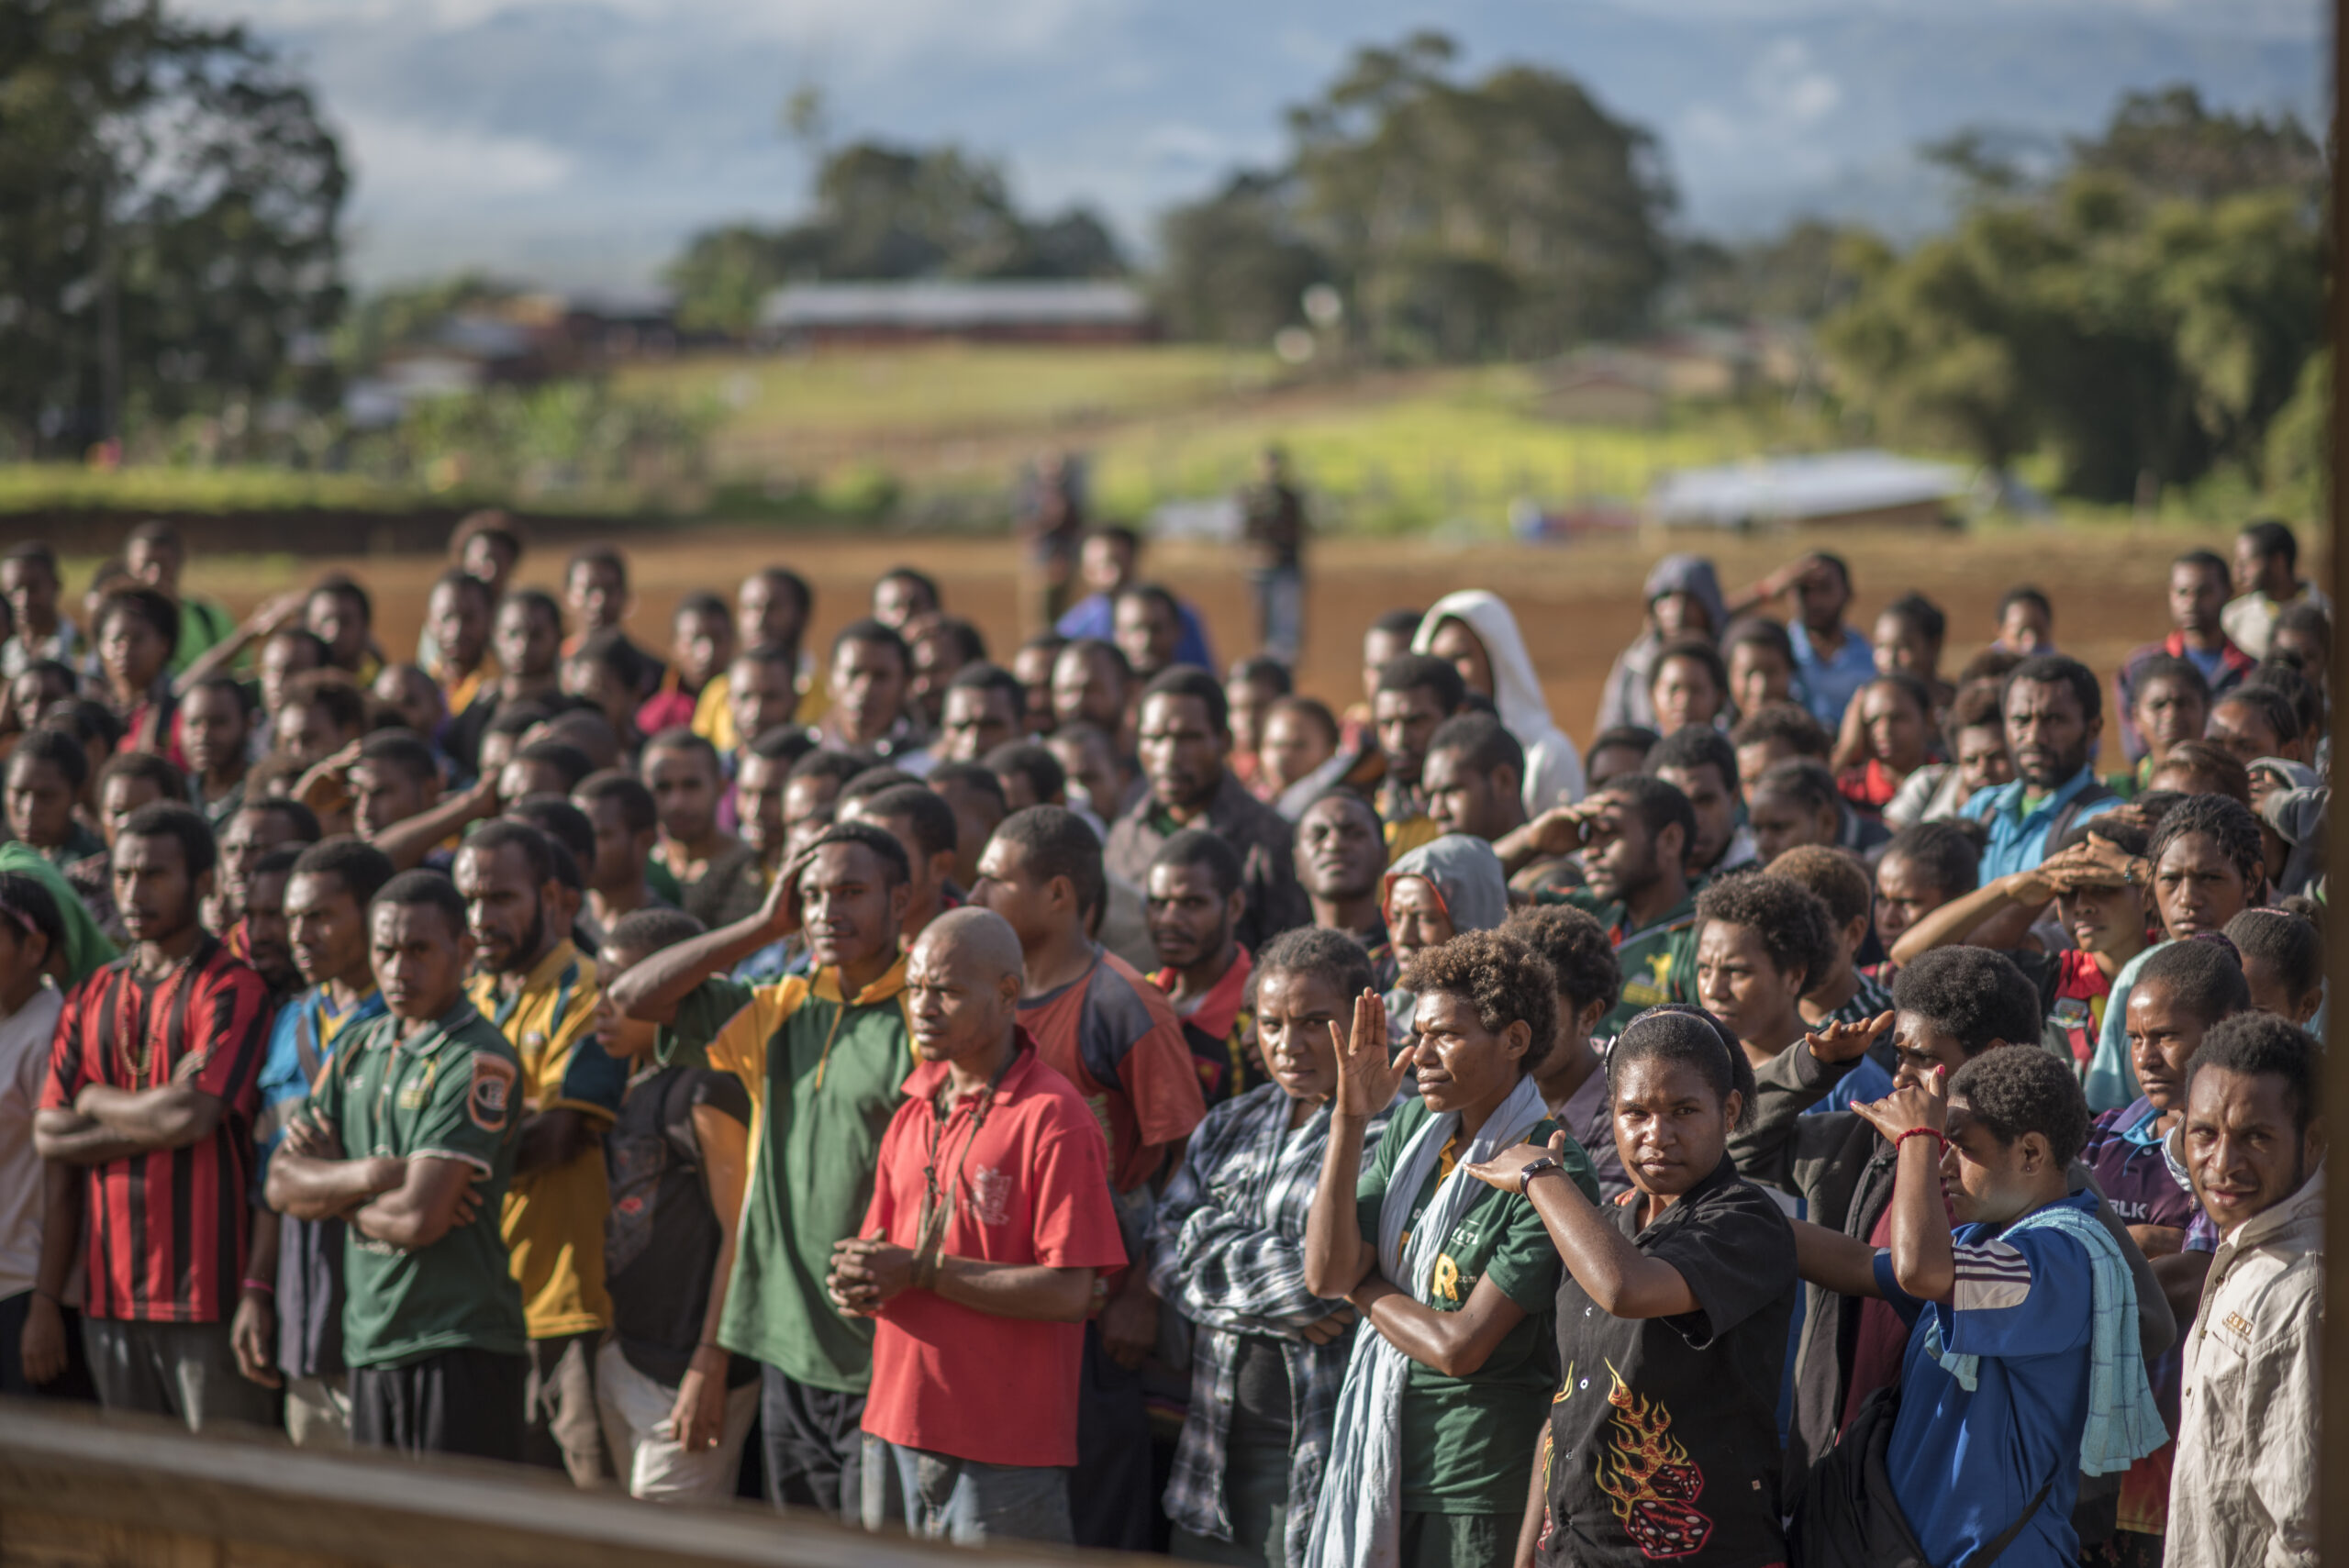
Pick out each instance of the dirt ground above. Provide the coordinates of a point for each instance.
(1577, 603)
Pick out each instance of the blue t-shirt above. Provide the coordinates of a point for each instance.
(1095, 616)
(309, 1252)
(1964, 1465)
(2019, 836)
(1830, 682)
(1862, 1084)
(2211, 663)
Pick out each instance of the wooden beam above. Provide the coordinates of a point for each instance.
(80, 1489)
(2333, 1436)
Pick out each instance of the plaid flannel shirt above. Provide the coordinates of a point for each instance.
(1226, 1250)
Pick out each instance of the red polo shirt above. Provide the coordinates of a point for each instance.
(1031, 1184)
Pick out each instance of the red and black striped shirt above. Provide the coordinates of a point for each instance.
(168, 1230)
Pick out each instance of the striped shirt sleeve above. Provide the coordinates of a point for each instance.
(1990, 1275)
(65, 1074)
(2025, 1294)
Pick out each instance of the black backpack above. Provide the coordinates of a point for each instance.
(1848, 1518)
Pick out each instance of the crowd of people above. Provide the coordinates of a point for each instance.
(1083, 1095)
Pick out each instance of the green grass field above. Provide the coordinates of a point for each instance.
(1386, 452)
(36, 486)
(1456, 450)
(935, 436)
(949, 390)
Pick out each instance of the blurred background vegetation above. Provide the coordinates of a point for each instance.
(1452, 296)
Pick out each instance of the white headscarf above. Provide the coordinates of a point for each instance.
(1553, 773)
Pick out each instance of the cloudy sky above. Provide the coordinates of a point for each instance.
(576, 141)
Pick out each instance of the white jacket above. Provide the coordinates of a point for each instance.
(1553, 773)
(2244, 1493)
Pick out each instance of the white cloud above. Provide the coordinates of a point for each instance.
(579, 138)
(1176, 142)
(402, 160)
(1787, 85)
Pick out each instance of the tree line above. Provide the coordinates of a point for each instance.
(2147, 304)
(171, 236)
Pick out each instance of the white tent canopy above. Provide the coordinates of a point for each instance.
(1793, 489)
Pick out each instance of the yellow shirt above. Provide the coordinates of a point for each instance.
(554, 1219)
(714, 715)
(460, 693)
(1409, 834)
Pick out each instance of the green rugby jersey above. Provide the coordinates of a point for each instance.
(451, 1092)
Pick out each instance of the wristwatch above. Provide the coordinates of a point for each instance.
(1533, 1169)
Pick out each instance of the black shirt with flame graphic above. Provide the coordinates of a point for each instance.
(1664, 1432)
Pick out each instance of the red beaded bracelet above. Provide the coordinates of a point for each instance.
(1920, 1133)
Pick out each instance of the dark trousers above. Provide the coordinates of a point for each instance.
(814, 1441)
(1111, 1497)
(462, 1402)
(73, 1382)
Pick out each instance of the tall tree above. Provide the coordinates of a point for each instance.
(1235, 267)
(881, 211)
(1511, 215)
(1507, 216)
(1800, 275)
(2146, 311)
(170, 222)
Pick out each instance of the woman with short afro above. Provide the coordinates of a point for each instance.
(1761, 942)
(1450, 1376)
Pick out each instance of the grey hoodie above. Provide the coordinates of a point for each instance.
(1625, 699)
(1467, 876)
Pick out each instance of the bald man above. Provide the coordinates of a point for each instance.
(970, 1428)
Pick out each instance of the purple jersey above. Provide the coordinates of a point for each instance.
(2133, 1171)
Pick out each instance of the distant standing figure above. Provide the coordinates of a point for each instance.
(2266, 576)
(1052, 520)
(1273, 524)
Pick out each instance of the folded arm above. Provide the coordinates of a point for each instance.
(1456, 1344)
(1227, 1270)
(108, 1124)
(423, 1207)
(69, 1138)
(313, 1187)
